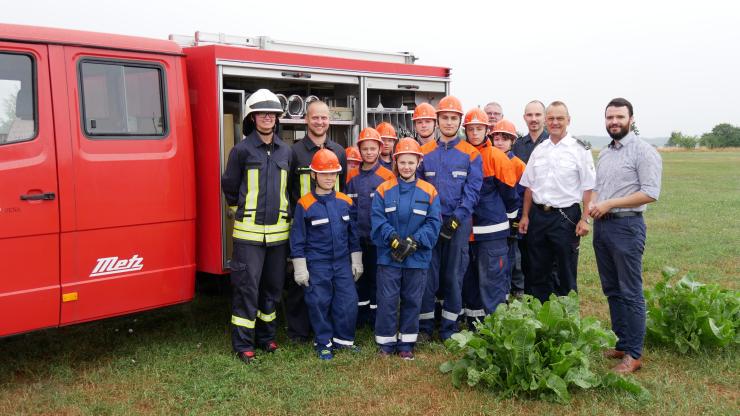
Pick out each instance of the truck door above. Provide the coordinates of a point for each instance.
(127, 244)
(29, 208)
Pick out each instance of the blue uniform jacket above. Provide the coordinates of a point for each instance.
(454, 169)
(408, 209)
(497, 195)
(321, 229)
(361, 188)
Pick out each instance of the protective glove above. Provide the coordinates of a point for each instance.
(231, 212)
(405, 248)
(513, 229)
(357, 268)
(300, 271)
(449, 228)
(395, 241)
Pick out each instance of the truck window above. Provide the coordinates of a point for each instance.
(17, 98)
(122, 100)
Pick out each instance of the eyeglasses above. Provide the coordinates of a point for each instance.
(266, 115)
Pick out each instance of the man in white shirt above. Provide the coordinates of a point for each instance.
(559, 175)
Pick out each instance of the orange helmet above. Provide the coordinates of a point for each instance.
(325, 161)
(369, 133)
(449, 103)
(505, 126)
(476, 116)
(408, 145)
(353, 153)
(424, 110)
(386, 130)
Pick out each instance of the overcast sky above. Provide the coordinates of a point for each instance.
(677, 61)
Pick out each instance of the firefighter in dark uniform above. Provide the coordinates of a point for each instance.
(317, 123)
(255, 184)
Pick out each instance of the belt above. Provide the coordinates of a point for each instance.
(620, 214)
(548, 208)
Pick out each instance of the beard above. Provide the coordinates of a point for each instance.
(620, 134)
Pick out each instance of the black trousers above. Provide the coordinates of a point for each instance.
(257, 276)
(551, 238)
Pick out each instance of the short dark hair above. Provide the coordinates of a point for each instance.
(620, 102)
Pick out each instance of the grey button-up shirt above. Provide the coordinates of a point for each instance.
(627, 166)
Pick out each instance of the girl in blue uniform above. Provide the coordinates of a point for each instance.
(406, 219)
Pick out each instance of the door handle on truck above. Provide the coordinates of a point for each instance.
(46, 196)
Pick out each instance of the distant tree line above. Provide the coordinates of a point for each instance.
(722, 135)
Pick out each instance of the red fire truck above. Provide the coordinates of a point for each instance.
(112, 147)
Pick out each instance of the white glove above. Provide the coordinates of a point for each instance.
(300, 271)
(357, 268)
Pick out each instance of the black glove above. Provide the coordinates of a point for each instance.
(395, 241)
(405, 248)
(449, 228)
(513, 229)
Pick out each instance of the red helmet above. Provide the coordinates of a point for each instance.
(386, 130)
(451, 104)
(369, 133)
(476, 116)
(424, 110)
(505, 126)
(353, 153)
(408, 145)
(325, 161)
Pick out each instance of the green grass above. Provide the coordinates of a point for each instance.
(178, 360)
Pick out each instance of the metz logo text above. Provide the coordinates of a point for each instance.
(114, 265)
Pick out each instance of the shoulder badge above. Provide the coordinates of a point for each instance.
(584, 144)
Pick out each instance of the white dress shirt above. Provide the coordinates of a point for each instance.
(558, 174)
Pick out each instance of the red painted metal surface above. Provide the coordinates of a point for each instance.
(29, 230)
(325, 62)
(47, 35)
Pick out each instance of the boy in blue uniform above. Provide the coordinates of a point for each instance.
(406, 219)
(454, 168)
(323, 235)
(361, 186)
(487, 282)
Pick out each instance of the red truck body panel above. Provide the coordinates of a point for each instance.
(119, 234)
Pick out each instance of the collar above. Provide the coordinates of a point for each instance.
(618, 144)
(486, 143)
(310, 145)
(257, 142)
(568, 140)
(322, 198)
(372, 169)
(451, 143)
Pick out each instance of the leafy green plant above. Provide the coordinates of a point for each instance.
(531, 348)
(692, 315)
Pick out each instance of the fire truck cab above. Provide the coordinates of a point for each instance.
(110, 144)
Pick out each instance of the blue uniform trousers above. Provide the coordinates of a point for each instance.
(487, 281)
(331, 299)
(449, 263)
(408, 285)
(551, 237)
(516, 271)
(366, 286)
(619, 244)
(257, 276)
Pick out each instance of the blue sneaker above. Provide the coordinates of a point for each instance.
(326, 354)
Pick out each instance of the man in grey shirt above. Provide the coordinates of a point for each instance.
(628, 177)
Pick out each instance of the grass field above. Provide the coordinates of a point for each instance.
(178, 360)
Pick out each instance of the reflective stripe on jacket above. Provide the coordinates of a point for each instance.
(256, 182)
(408, 209)
(322, 229)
